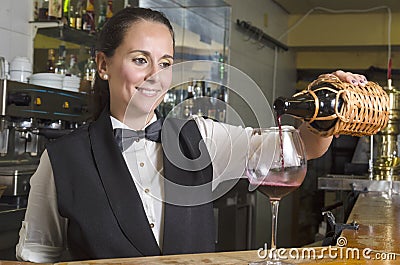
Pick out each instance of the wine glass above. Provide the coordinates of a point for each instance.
(276, 166)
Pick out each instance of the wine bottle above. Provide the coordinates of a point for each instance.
(331, 106)
(305, 106)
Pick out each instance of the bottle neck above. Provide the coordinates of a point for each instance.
(301, 106)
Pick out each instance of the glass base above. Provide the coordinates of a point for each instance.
(270, 262)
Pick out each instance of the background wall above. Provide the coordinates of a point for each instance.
(15, 31)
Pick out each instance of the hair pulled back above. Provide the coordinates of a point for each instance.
(111, 37)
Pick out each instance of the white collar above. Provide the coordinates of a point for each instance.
(118, 124)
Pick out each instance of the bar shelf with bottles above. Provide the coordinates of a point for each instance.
(80, 19)
(196, 97)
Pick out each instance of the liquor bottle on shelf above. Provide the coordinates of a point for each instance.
(60, 67)
(84, 20)
(89, 73)
(102, 16)
(73, 68)
(44, 11)
(211, 109)
(78, 15)
(72, 18)
(221, 105)
(51, 61)
(332, 107)
(90, 17)
(189, 101)
(109, 12)
(36, 10)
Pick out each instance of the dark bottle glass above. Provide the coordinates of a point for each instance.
(51, 61)
(305, 106)
(189, 101)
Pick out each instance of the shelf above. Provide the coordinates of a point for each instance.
(56, 29)
(70, 35)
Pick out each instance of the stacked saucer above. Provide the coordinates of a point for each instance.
(47, 80)
(71, 83)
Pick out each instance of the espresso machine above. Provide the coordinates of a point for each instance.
(30, 117)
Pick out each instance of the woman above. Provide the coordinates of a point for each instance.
(102, 199)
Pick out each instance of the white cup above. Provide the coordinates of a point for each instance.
(20, 76)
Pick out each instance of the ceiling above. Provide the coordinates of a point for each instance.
(303, 6)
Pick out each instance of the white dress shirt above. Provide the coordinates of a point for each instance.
(43, 232)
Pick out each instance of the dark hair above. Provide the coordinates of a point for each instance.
(111, 36)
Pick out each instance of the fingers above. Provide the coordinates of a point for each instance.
(355, 79)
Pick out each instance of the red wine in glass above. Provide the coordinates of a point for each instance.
(275, 189)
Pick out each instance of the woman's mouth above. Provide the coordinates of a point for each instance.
(149, 92)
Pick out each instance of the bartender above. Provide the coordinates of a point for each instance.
(99, 198)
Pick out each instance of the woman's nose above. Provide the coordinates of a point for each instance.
(152, 73)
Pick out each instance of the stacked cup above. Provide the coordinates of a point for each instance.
(20, 69)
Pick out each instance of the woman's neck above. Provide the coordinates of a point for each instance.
(134, 120)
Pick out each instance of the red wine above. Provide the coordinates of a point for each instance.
(279, 122)
(279, 183)
(275, 191)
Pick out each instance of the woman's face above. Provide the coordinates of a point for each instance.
(146, 49)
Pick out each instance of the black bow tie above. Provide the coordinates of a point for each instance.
(126, 137)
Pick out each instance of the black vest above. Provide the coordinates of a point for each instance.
(95, 191)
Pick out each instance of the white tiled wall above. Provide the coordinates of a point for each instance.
(15, 30)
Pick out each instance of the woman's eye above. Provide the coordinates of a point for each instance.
(140, 60)
(165, 64)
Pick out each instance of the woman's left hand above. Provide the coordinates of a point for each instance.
(355, 79)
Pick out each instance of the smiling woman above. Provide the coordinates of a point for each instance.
(99, 197)
(146, 47)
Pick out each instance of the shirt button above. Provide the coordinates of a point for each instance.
(147, 190)
(137, 140)
(141, 164)
(151, 225)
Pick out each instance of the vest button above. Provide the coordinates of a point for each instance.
(147, 190)
(151, 225)
(141, 164)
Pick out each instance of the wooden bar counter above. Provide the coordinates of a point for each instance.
(375, 242)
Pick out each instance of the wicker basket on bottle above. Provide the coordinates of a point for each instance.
(365, 110)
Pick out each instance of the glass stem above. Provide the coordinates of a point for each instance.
(274, 210)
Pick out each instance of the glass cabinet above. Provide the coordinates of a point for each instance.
(202, 32)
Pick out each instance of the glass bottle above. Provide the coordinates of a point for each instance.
(51, 61)
(102, 16)
(109, 12)
(90, 16)
(189, 101)
(334, 107)
(78, 16)
(221, 106)
(89, 72)
(73, 68)
(211, 108)
(60, 67)
(72, 18)
(303, 105)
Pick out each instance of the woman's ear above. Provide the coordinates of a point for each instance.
(101, 62)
